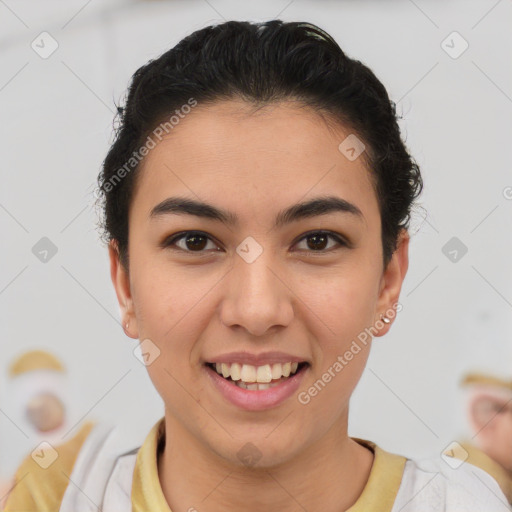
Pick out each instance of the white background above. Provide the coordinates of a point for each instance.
(56, 128)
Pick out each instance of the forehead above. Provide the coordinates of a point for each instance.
(229, 150)
(286, 127)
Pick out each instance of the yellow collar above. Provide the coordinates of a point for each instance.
(384, 481)
(379, 493)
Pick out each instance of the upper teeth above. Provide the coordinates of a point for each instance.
(250, 373)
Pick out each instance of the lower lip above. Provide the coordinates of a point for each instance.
(256, 400)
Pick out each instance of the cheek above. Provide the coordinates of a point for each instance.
(166, 295)
(340, 310)
(343, 300)
(327, 394)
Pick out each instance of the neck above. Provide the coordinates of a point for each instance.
(329, 475)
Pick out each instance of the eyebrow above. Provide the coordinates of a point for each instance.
(312, 208)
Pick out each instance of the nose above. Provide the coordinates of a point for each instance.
(256, 296)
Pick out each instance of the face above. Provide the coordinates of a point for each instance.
(45, 412)
(492, 422)
(257, 286)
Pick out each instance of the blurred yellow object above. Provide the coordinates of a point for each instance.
(485, 380)
(35, 360)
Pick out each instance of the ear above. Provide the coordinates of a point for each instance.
(391, 283)
(121, 282)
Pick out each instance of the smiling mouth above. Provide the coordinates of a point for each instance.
(257, 378)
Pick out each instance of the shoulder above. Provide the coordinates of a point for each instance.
(441, 484)
(42, 478)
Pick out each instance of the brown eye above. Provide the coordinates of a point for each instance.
(195, 242)
(192, 241)
(317, 241)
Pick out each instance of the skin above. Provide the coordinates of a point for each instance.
(291, 298)
(493, 429)
(45, 412)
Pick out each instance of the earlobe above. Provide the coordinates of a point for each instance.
(121, 282)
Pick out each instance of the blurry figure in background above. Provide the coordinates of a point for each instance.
(38, 385)
(489, 412)
(39, 408)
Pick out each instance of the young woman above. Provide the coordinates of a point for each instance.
(256, 204)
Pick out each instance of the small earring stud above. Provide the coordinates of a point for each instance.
(385, 319)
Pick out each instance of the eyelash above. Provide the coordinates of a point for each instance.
(170, 241)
